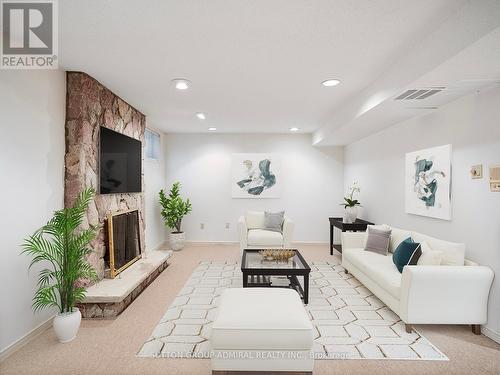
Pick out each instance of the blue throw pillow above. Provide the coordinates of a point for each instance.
(406, 253)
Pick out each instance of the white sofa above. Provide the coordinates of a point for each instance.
(455, 292)
(261, 330)
(253, 235)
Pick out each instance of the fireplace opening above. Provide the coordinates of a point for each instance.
(124, 242)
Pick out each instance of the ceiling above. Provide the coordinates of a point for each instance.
(256, 66)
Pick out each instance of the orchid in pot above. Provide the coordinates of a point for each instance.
(350, 204)
(62, 247)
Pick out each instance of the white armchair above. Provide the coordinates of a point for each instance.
(253, 235)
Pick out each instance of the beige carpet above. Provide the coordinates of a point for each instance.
(110, 347)
(349, 321)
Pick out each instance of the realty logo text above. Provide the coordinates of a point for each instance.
(29, 34)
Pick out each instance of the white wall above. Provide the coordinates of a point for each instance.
(155, 174)
(311, 178)
(472, 125)
(32, 110)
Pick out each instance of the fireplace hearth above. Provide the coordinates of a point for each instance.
(124, 243)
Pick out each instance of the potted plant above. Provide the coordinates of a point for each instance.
(173, 210)
(351, 204)
(64, 248)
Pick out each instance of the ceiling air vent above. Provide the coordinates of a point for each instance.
(419, 94)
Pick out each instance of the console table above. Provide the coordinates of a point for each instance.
(338, 222)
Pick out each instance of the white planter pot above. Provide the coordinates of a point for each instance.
(66, 325)
(351, 214)
(177, 241)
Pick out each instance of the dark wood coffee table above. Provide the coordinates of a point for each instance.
(257, 272)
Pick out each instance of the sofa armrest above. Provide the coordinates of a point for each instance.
(288, 226)
(243, 232)
(353, 240)
(445, 294)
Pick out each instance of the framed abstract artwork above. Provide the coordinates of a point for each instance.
(256, 176)
(428, 182)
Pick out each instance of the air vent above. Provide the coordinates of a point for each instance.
(418, 94)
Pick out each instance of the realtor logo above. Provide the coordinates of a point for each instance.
(29, 34)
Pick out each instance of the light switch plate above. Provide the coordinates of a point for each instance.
(476, 171)
(495, 178)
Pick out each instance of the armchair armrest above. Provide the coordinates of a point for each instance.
(445, 294)
(353, 240)
(288, 226)
(242, 232)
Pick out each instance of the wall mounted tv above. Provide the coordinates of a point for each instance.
(120, 163)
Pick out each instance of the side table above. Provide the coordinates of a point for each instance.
(338, 222)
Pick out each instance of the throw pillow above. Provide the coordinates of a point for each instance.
(273, 221)
(255, 219)
(453, 253)
(377, 240)
(429, 257)
(407, 253)
(397, 236)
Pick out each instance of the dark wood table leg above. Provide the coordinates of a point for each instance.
(331, 239)
(306, 289)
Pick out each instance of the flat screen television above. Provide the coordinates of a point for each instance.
(120, 163)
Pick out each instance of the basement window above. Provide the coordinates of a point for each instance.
(152, 148)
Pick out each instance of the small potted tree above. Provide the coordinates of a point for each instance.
(64, 248)
(173, 210)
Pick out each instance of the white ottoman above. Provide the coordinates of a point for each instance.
(261, 329)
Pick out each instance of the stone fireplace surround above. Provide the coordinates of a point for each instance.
(90, 105)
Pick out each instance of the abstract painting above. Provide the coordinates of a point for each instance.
(255, 176)
(428, 182)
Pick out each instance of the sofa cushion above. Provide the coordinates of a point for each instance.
(274, 221)
(261, 319)
(378, 240)
(255, 219)
(429, 257)
(406, 253)
(453, 253)
(397, 236)
(379, 268)
(262, 237)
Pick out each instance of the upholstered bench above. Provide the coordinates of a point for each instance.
(261, 329)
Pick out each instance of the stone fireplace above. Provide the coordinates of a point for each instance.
(90, 105)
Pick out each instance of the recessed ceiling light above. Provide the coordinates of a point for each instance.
(330, 82)
(294, 129)
(212, 129)
(181, 83)
(201, 116)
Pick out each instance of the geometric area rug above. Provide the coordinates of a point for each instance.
(349, 321)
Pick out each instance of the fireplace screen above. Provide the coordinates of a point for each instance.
(124, 243)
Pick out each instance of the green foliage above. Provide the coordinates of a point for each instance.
(349, 200)
(63, 247)
(173, 207)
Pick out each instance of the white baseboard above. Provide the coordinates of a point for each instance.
(495, 336)
(15, 346)
(206, 243)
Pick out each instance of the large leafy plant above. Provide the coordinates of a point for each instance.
(64, 248)
(174, 208)
(349, 201)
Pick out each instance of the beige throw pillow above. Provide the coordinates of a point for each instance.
(377, 240)
(429, 257)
